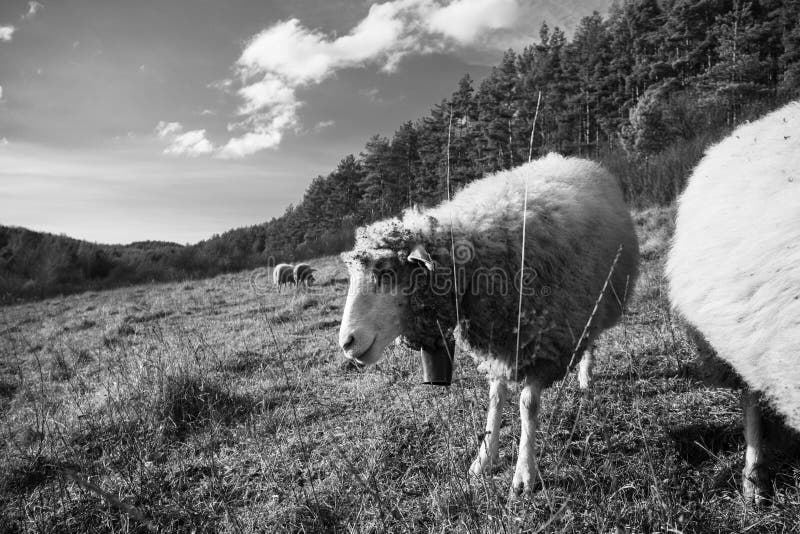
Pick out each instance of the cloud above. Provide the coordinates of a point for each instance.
(467, 21)
(6, 33)
(166, 130)
(192, 143)
(3, 141)
(265, 131)
(321, 125)
(373, 94)
(1, 92)
(33, 8)
(287, 56)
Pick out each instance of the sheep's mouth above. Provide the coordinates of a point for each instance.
(365, 352)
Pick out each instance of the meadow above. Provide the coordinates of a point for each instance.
(222, 405)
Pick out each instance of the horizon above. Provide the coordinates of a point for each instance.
(178, 121)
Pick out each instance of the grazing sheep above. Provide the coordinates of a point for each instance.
(734, 268)
(282, 275)
(303, 275)
(402, 283)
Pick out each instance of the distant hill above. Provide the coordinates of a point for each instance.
(36, 264)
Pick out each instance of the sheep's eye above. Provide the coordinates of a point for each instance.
(384, 274)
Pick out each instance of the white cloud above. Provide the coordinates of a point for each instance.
(467, 21)
(192, 143)
(3, 141)
(288, 56)
(266, 131)
(6, 33)
(1, 92)
(321, 125)
(270, 92)
(33, 8)
(373, 94)
(168, 129)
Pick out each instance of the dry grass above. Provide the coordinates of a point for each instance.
(223, 406)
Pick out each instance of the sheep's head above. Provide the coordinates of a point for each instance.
(387, 266)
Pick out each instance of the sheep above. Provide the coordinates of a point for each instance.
(282, 275)
(303, 275)
(449, 276)
(734, 269)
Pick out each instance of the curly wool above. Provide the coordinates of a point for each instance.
(576, 222)
(734, 265)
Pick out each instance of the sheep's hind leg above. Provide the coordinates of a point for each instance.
(755, 479)
(586, 368)
(525, 472)
(488, 453)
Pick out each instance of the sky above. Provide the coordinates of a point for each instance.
(174, 120)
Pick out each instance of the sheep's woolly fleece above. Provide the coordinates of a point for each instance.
(302, 272)
(576, 222)
(282, 274)
(734, 266)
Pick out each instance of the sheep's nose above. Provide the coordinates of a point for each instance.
(348, 342)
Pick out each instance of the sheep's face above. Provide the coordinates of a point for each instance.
(377, 303)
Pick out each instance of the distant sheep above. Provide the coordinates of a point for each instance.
(734, 267)
(303, 275)
(283, 275)
(402, 283)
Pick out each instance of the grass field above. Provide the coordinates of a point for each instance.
(224, 406)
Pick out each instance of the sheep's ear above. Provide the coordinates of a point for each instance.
(419, 254)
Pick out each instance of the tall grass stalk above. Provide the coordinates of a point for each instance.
(524, 230)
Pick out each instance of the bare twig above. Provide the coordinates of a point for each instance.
(128, 509)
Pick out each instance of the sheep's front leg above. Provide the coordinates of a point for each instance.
(525, 472)
(488, 453)
(585, 369)
(754, 475)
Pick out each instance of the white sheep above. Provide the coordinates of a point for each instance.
(577, 224)
(303, 275)
(734, 267)
(283, 275)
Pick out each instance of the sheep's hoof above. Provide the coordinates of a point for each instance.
(523, 482)
(482, 465)
(755, 485)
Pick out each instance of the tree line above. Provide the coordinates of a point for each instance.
(643, 89)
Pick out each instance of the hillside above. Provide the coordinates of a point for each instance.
(224, 406)
(36, 264)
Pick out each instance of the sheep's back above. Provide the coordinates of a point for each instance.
(282, 273)
(576, 222)
(734, 265)
(301, 272)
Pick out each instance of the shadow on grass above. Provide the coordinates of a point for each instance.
(30, 474)
(189, 403)
(243, 361)
(7, 388)
(701, 442)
